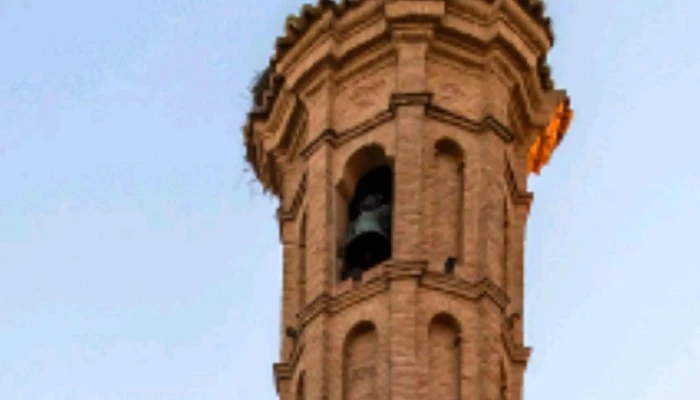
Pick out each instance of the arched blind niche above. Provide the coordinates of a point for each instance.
(444, 357)
(360, 363)
(448, 201)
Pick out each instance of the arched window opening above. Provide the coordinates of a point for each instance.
(368, 240)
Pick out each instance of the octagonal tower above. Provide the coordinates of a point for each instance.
(398, 136)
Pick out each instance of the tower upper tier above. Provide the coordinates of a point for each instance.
(505, 40)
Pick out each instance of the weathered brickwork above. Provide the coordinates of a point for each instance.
(451, 95)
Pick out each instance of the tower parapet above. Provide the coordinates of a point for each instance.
(398, 135)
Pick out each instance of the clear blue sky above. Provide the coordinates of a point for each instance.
(137, 263)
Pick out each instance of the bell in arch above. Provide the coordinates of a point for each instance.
(368, 240)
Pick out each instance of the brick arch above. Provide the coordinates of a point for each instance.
(444, 362)
(359, 328)
(450, 146)
(360, 362)
(447, 188)
(360, 162)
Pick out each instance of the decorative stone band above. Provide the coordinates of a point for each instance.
(461, 288)
(379, 283)
(296, 26)
(394, 270)
(433, 111)
(539, 155)
(518, 353)
(285, 370)
(282, 371)
(487, 123)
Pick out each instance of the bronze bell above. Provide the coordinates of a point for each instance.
(369, 234)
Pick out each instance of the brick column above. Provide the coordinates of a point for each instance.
(489, 349)
(408, 233)
(472, 253)
(517, 255)
(314, 359)
(320, 232)
(409, 102)
(403, 373)
(491, 208)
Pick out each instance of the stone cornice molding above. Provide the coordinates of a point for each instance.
(517, 353)
(352, 294)
(357, 295)
(285, 370)
(397, 270)
(534, 9)
(378, 280)
(281, 371)
(487, 124)
(327, 136)
(414, 11)
(327, 50)
(464, 289)
(290, 214)
(289, 119)
(514, 348)
(317, 306)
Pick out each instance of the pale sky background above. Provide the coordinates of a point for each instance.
(136, 262)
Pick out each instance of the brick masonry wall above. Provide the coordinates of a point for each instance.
(408, 330)
(432, 220)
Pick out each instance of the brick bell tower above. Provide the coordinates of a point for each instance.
(398, 136)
